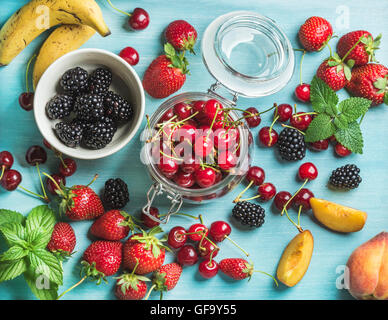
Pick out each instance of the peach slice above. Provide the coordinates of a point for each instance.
(295, 259)
(337, 217)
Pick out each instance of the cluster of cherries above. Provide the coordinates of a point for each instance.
(196, 144)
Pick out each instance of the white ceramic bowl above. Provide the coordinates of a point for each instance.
(125, 82)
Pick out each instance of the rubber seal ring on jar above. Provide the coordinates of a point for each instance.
(158, 190)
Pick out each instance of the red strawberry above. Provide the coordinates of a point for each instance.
(166, 74)
(146, 250)
(315, 33)
(62, 239)
(112, 225)
(182, 35)
(363, 52)
(131, 286)
(166, 277)
(370, 82)
(334, 73)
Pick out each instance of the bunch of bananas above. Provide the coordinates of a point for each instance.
(78, 20)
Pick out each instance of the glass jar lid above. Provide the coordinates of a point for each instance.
(248, 54)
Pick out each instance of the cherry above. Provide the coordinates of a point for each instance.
(255, 174)
(219, 230)
(26, 100)
(147, 221)
(36, 155)
(205, 130)
(177, 237)
(302, 199)
(190, 164)
(168, 166)
(320, 145)
(205, 177)
(226, 138)
(301, 121)
(268, 137)
(68, 167)
(252, 117)
(183, 110)
(183, 179)
(6, 161)
(11, 180)
(281, 199)
(47, 144)
(167, 115)
(302, 92)
(186, 133)
(203, 146)
(210, 109)
(266, 191)
(208, 269)
(341, 151)
(200, 228)
(130, 55)
(51, 187)
(198, 106)
(226, 160)
(218, 177)
(206, 248)
(308, 171)
(187, 255)
(139, 19)
(284, 111)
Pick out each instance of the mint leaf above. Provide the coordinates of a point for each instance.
(353, 108)
(38, 238)
(47, 264)
(320, 128)
(341, 122)
(13, 253)
(42, 288)
(12, 269)
(351, 137)
(41, 216)
(9, 216)
(322, 96)
(14, 233)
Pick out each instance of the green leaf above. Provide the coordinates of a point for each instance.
(386, 98)
(14, 233)
(41, 287)
(351, 63)
(381, 83)
(41, 216)
(12, 269)
(348, 72)
(13, 253)
(9, 216)
(341, 122)
(322, 96)
(353, 108)
(169, 49)
(351, 137)
(38, 238)
(320, 128)
(47, 264)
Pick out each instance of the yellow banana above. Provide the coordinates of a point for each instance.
(39, 15)
(62, 40)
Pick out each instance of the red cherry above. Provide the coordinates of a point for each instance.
(51, 187)
(203, 146)
(130, 55)
(301, 121)
(11, 180)
(208, 269)
(177, 237)
(253, 121)
(198, 106)
(320, 145)
(302, 92)
(226, 138)
(226, 160)
(308, 171)
(205, 177)
(36, 154)
(255, 174)
(183, 110)
(168, 166)
(70, 169)
(266, 191)
(197, 227)
(187, 255)
(6, 161)
(167, 115)
(281, 199)
(219, 230)
(302, 199)
(341, 151)
(265, 137)
(183, 179)
(218, 177)
(139, 19)
(211, 107)
(26, 100)
(206, 248)
(47, 144)
(284, 111)
(190, 164)
(186, 133)
(147, 221)
(206, 131)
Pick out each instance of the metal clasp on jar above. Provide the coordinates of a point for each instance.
(213, 88)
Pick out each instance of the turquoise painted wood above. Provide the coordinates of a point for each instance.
(18, 131)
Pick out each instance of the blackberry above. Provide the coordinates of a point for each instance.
(291, 145)
(100, 80)
(70, 134)
(249, 213)
(346, 177)
(75, 81)
(89, 107)
(116, 194)
(117, 107)
(98, 135)
(60, 106)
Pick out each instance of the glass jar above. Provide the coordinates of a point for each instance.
(249, 56)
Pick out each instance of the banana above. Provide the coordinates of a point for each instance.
(62, 40)
(39, 15)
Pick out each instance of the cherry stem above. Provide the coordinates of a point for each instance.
(299, 211)
(41, 181)
(200, 218)
(293, 222)
(242, 192)
(291, 127)
(117, 9)
(289, 200)
(55, 183)
(134, 269)
(301, 63)
(303, 114)
(33, 193)
(213, 121)
(71, 288)
(181, 214)
(91, 182)
(149, 292)
(252, 198)
(2, 172)
(168, 156)
(352, 48)
(235, 243)
(270, 128)
(269, 275)
(28, 71)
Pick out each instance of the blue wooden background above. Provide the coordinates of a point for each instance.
(18, 131)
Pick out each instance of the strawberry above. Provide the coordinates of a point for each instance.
(363, 51)
(315, 33)
(131, 286)
(62, 240)
(112, 225)
(334, 72)
(146, 250)
(371, 82)
(166, 278)
(182, 35)
(166, 74)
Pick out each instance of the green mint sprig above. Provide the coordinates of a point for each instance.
(336, 118)
(27, 239)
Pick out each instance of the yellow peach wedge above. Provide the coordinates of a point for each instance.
(337, 217)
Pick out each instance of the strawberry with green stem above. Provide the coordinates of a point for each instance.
(181, 35)
(63, 240)
(315, 33)
(165, 278)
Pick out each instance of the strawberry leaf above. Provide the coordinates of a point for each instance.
(351, 137)
(350, 63)
(386, 98)
(320, 128)
(322, 96)
(381, 83)
(348, 72)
